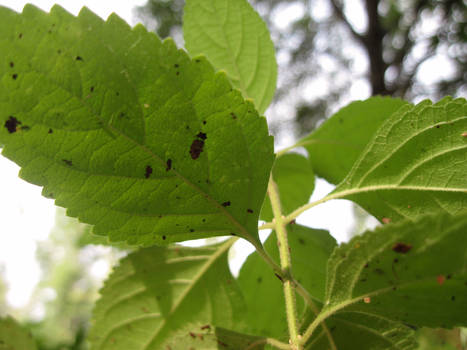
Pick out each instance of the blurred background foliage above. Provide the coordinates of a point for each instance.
(329, 51)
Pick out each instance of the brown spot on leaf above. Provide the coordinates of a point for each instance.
(234, 116)
(367, 300)
(222, 344)
(202, 136)
(401, 247)
(206, 327)
(250, 211)
(12, 124)
(148, 172)
(464, 134)
(386, 220)
(440, 279)
(196, 148)
(193, 335)
(169, 164)
(226, 204)
(67, 162)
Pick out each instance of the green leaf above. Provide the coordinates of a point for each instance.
(412, 272)
(296, 181)
(415, 164)
(156, 292)
(335, 146)
(205, 337)
(14, 337)
(127, 132)
(360, 331)
(233, 37)
(310, 250)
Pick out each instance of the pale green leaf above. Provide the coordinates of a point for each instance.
(310, 250)
(295, 179)
(127, 132)
(234, 38)
(335, 146)
(156, 292)
(412, 272)
(14, 337)
(415, 164)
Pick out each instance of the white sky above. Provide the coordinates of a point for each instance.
(26, 217)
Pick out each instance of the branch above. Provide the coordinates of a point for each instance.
(339, 12)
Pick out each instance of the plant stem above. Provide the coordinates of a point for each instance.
(286, 265)
(271, 341)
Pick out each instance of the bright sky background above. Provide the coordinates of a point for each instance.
(26, 217)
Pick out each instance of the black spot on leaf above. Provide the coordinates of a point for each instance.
(15, 76)
(196, 148)
(301, 241)
(20, 35)
(169, 164)
(259, 279)
(453, 298)
(12, 64)
(148, 171)
(79, 58)
(279, 277)
(250, 211)
(91, 89)
(67, 162)
(226, 204)
(164, 238)
(176, 65)
(401, 247)
(192, 230)
(234, 116)
(177, 73)
(11, 124)
(204, 122)
(378, 271)
(202, 136)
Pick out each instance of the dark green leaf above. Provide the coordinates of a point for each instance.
(335, 146)
(296, 181)
(233, 37)
(127, 132)
(415, 164)
(205, 337)
(360, 331)
(157, 292)
(14, 337)
(412, 272)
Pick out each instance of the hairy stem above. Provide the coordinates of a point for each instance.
(286, 266)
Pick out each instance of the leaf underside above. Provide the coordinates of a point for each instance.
(233, 37)
(156, 293)
(411, 272)
(126, 131)
(335, 146)
(415, 164)
(357, 331)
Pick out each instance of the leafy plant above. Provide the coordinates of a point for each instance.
(153, 147)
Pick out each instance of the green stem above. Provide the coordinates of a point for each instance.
(271, 341)
(286, 266)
